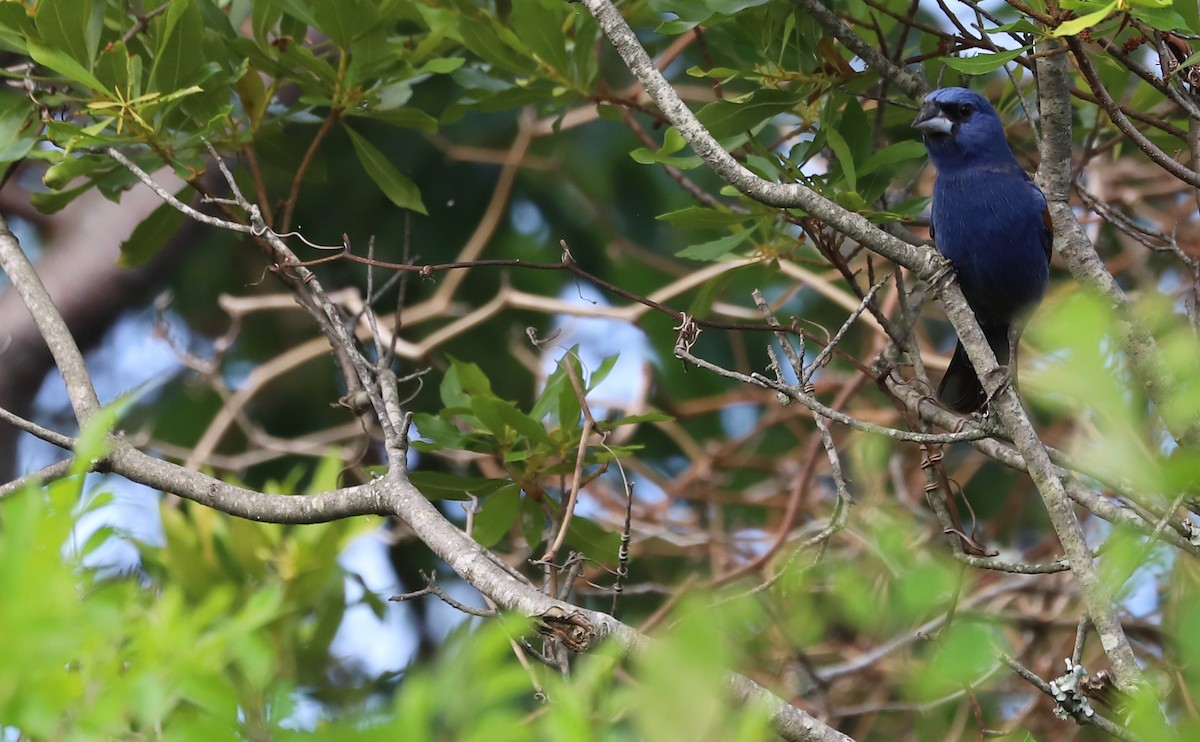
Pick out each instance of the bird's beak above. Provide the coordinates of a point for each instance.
(931, 120)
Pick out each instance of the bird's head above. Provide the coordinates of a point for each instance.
(961, 127)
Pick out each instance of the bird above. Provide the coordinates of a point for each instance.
(991, 221)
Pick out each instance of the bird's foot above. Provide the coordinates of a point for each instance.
(941, 277)
(1003, 377)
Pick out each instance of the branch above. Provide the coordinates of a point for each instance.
(477, 567)
(923, 261)
(926, 265)
(28, 285)
(1160, 158)
(912, 85)
(1072, 243)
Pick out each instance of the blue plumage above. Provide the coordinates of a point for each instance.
(991, 223)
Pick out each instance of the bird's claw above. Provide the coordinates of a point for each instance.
(1004, 381)
(941, 277)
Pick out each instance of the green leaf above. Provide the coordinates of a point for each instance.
(298, 9)
(646, 417)
(533, 522)
(15, 27)
(151, 234)
(601, 373)
(399, 189)
(910, 149)
(1084, 22)
(702, 216)
(1162, 19)
(253, 95)
(644, 156)
(179, 52)
(485, 410)
(841, 151)
(17, 133)
(717, 249)
(114, 67)
(65, 65)
(569, 409)
(540, 27)
(54, 201)
(410, 118)
(497, 515)
(1021, 25)
(470, 379)
(93, 443)
(482, 38)
(984, 63)
(440, 486)
(63, 25)
(589, 538)
(725, 118)
(345, 20)
(61, 174)
(525, 425)
(441, 66)
(451, 389)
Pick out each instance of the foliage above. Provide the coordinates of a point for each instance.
(443, 133)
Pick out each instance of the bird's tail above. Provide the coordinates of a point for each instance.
(960, 389)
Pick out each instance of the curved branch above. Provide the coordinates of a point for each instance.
(50, 324)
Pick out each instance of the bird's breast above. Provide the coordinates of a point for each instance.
(990, 226)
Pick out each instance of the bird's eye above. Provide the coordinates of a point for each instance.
(965, 110)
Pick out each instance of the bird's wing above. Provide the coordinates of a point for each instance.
(1046, 234)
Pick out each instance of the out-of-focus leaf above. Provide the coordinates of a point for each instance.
(910, 149)
(600, 373)
(533, 522)
(497, 515)
(399, 189)
(440, 486)
(702, 216)
(410, 118)
(646, 417)
(539, 25)
(253, 95)
(964, 654)
(845, 160)
(345, 20)
(520, 422)
(716, 249)
(298, 9)
(151, 234)
(93, 443)
(1161, 18)
(644, 156)
(54, 201)
(481, 37)
(588, 537)
(15, 27)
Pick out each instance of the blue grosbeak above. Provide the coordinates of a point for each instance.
(990, 221)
